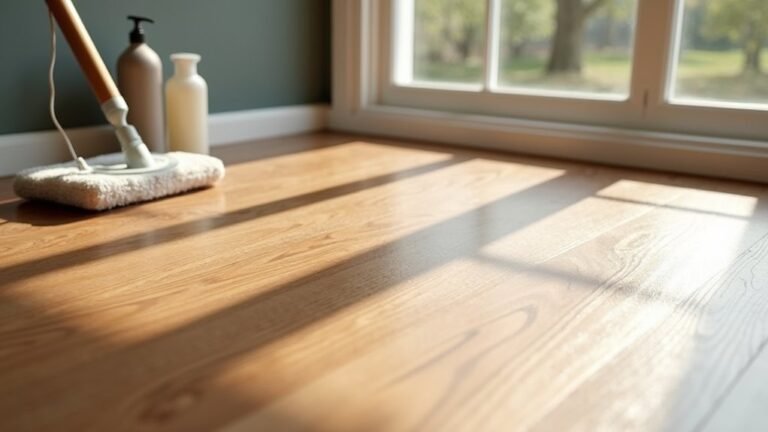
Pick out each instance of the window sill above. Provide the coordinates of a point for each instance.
(692, 154)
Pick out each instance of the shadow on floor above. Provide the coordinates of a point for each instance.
(41, 211)
(38, 213)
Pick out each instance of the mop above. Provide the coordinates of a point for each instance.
(112, 180)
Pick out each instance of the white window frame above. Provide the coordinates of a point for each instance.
(396, 89)
(671, 136)
(738, 120)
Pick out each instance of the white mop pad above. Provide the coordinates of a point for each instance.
(65, 184)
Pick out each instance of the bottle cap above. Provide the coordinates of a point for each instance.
(185, 57)
(137, 35)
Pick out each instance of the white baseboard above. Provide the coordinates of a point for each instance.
(719, 157)
(236, 126)
(25, 150)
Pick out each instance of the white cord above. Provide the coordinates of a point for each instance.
(52, 102)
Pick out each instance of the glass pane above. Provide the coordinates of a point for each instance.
(569, 45)
(448, 40)
(722, 52)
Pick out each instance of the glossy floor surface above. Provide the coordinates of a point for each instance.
(339, 283)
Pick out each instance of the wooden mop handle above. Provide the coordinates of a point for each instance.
(84, 50)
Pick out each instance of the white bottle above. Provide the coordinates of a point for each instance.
(186, 100)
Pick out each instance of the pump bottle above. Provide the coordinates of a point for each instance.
(140, 79)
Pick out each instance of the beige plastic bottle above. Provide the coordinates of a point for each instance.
(140, 79)
(186, 95)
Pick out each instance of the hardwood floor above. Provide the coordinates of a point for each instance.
(340, 283)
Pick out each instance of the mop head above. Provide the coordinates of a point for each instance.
(66, 184)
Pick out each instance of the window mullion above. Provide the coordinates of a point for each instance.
(492, 36)
(653, 43)
(403, 39)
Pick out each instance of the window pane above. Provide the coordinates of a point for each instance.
(448, 40)
(570, 45)
(722, 52)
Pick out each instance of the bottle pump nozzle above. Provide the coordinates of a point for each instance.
(137, 35)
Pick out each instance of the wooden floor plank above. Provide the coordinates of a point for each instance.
(336, 283)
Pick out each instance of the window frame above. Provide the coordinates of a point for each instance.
(356, 107)
(693, 116)
(648, 106)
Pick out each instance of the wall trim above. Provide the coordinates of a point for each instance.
(236, 126)
(25, 150)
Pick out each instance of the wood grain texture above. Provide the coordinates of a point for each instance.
(342, 283)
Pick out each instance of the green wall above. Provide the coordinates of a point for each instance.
(256, 53)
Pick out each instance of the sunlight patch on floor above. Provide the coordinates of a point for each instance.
(698, 200)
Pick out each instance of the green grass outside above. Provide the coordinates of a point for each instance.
(701, 74)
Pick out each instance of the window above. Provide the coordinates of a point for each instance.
(720, 55)
(584, 47)
(691, 66)
(448, 41)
